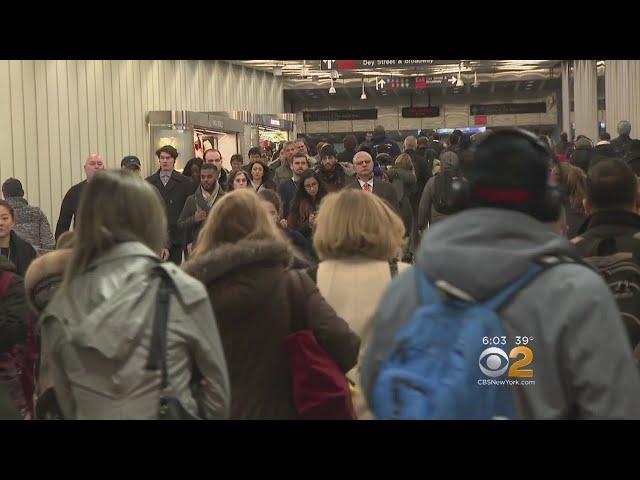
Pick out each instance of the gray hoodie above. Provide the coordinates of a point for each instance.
(583, 366)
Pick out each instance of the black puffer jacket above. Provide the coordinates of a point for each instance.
(21, 253)
(13, 309)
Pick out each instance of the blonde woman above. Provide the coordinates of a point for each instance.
(244, 260)
(357, 234)
(97, 329)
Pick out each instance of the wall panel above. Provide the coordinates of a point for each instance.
(54, 113)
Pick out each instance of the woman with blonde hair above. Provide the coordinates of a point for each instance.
(98, 329)
(573, 180)
(244, 260)
(357, 238)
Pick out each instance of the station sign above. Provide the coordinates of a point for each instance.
(508, 108)
(337, 115)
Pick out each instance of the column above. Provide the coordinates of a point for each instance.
(585, 98)
(566, 114)
(622, 95)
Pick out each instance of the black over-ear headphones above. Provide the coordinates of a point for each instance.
(551, 206)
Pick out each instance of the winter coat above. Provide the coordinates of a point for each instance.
(97, 337)
(69, 208)
(287, 190)
(427, 213)
(13, 309)
(21, 253)
(249, 286)
(620, 144)
(606, 150)
(334, 179)
(32, 225)
(187, 221)
(619, 229)
(346, 156)
(174, 194)
(404, 183)
(41, 281)
(335, 279)
(379, 140)
(568, 310)
(282, 174)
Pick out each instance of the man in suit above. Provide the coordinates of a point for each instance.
(174, 188)
(363, 166)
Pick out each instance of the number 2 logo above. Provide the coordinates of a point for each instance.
(517, 370)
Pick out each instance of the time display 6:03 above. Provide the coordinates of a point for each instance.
(519, 340)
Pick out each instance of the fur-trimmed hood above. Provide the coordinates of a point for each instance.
(43, 276)
(242, 277)
(228, 257)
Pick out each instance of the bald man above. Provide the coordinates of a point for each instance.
(364, 180)
(69, 206)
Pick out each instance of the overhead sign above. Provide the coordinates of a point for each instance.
(336, 115)
(420, 112)
(363, 64)
(508, 108)
(480, 119)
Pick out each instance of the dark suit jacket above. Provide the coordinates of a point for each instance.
(175, 194)
(382, 189)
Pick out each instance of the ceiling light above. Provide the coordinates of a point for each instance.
(459, 82)
(332, 90)
(475, 83)
(364, 95)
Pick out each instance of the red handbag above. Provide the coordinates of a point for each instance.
(320, 388)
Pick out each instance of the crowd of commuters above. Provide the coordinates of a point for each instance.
(195, 294)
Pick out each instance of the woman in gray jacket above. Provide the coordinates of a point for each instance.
(97, 329)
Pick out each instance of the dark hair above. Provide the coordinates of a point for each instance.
(193, 161)
(436, 136)
(423, 141)
(266, 171)
(350, 142)
(605, 136)
(611, 184)
(208, 166)
(204, 155)
(7, 205)
(299, 155)
(273, 198)
(236, 157)
(255, 151)
(379, 130)
(168, 149)
(302, 204)
(233, 176)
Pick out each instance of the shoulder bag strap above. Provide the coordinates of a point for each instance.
(158, 348)
(296, 294)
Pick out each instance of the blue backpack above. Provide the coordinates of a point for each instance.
(432, 372)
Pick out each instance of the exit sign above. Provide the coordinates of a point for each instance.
(481, 119)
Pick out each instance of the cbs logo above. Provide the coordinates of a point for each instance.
(494, 362)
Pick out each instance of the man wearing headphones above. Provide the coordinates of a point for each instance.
(566, 312)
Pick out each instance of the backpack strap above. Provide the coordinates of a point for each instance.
(393, 267)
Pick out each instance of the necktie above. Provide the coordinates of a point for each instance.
(366, 187)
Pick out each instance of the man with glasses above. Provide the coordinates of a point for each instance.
(363, 166)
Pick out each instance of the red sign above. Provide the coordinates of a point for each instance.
(346, 64)
(421, 83)
(481, 119)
